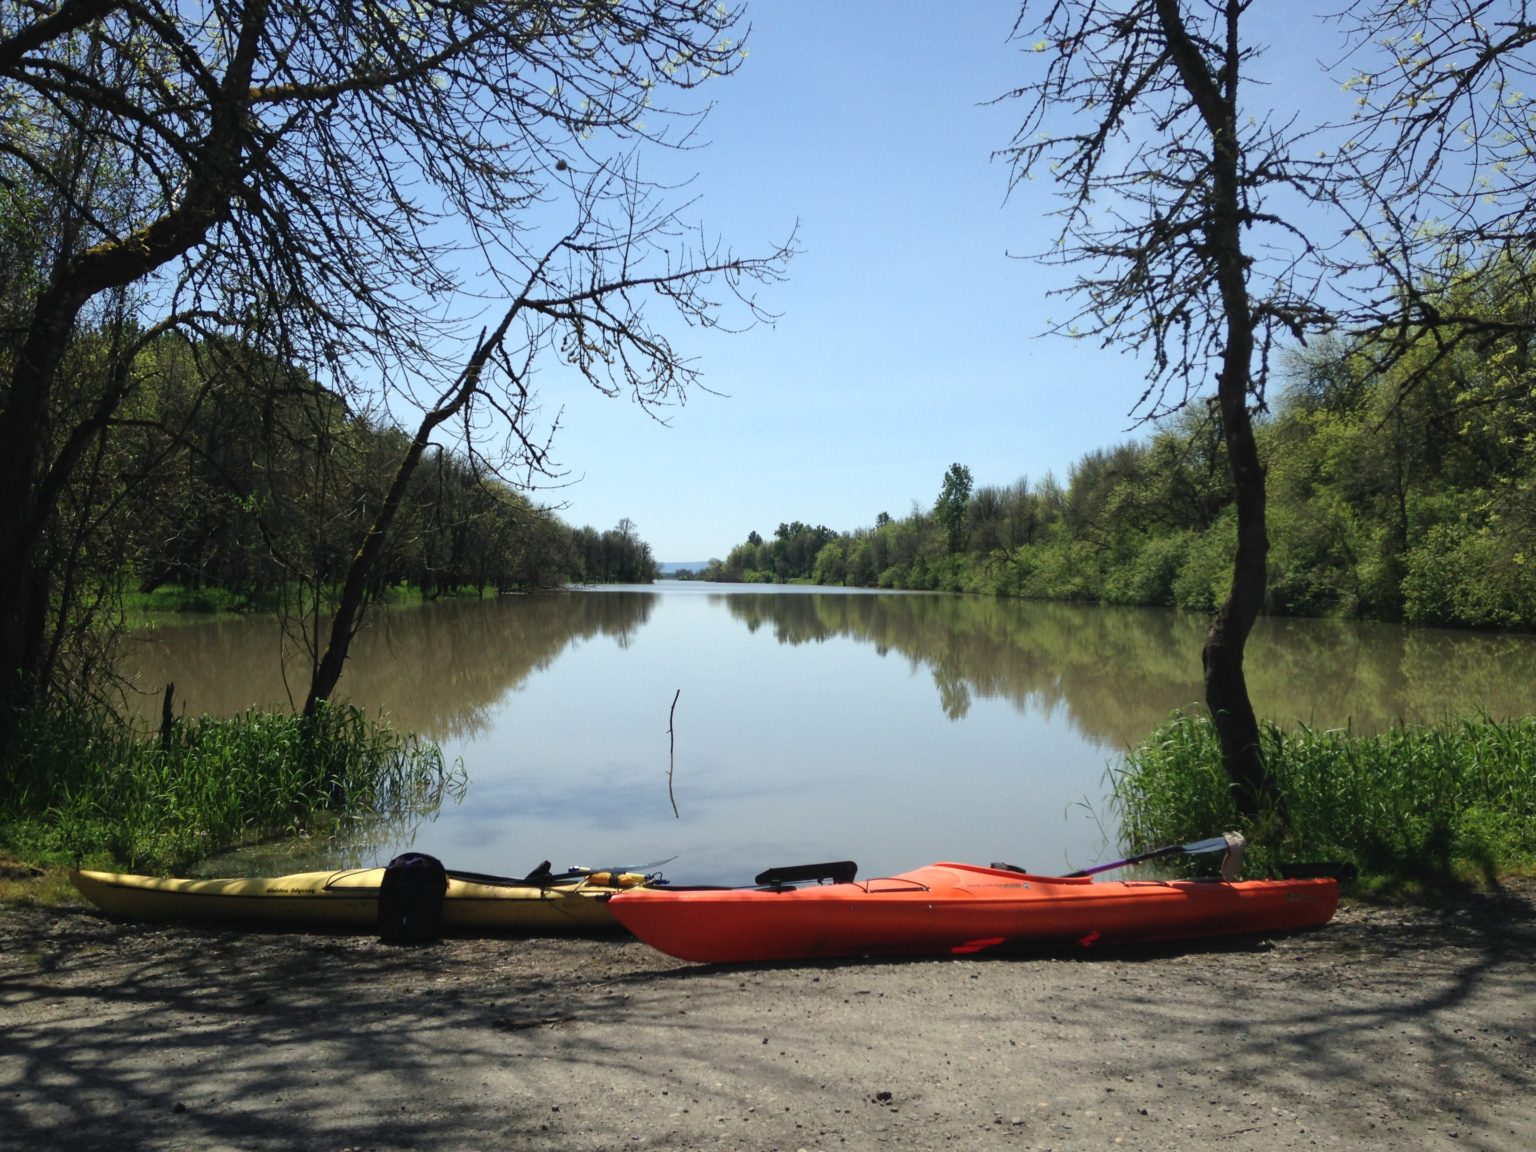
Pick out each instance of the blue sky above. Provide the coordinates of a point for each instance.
(911, 328)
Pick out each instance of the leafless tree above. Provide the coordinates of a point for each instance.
(416, 203)
(1167, 164)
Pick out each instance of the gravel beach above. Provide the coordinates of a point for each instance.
(1390, 1028)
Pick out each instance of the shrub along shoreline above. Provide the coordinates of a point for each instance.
(84, 788)
(1453, 801)
(1450, 802)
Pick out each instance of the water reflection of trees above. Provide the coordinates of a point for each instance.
(436, 670)
(1114, 673)
(1117, 672)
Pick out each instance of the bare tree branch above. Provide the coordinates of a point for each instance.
(1441, 164)
(1166, 172)
(353, 187)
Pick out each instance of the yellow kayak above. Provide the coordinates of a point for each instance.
(348, 900)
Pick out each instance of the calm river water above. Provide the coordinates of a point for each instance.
(809, 724)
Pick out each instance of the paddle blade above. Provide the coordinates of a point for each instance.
(1228, 842)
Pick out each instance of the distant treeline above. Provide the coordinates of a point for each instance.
(1405, 494)
(246, 485)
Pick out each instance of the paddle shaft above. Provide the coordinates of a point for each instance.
(1194, 848)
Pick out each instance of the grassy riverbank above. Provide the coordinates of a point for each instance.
(84, 788)
(1450, 802)
(1453, 801)
(174, 604)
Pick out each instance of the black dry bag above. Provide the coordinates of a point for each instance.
(411, 898)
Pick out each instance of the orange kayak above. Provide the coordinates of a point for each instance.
(960, 909)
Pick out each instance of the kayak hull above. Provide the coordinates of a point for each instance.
(961, 909)
(348, 900)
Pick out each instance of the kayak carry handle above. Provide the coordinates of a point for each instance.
(837, 871)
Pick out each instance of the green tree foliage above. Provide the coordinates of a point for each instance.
(1400, 488)
(617, 556)
(952, 508)
(255, 488)
(792, 555)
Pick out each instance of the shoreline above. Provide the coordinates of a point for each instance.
(1390, 1027)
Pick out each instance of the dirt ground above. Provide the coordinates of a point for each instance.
(1390, 1028)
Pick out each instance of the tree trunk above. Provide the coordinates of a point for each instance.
(349, 608)
(1226, 687)
(29, 490)
(30, 483)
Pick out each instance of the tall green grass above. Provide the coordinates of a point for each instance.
(85, 788)
(1440, 802)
